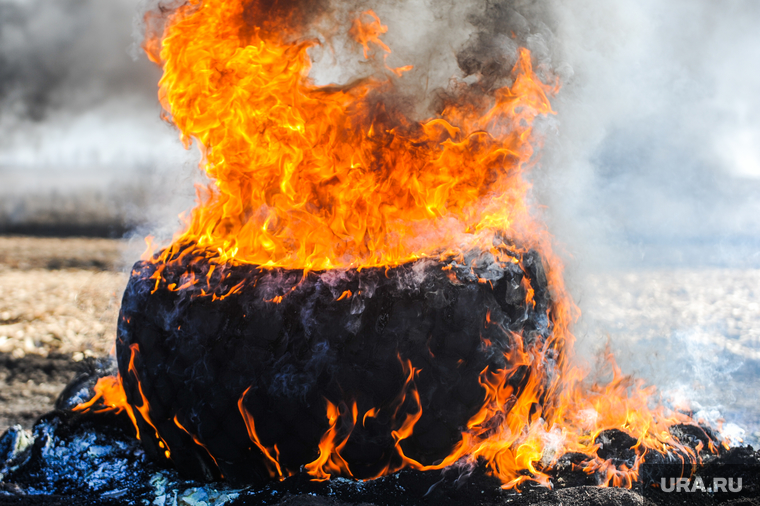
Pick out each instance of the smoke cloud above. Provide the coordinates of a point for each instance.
(655, 164)
(651, 186)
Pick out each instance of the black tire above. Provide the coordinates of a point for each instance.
(196, 355)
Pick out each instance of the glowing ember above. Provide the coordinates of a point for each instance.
(314, 178)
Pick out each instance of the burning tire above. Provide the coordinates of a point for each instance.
(291, 326)
(251, 374)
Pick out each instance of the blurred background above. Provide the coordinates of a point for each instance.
(87, 169)
(649, 181)
(82, 148)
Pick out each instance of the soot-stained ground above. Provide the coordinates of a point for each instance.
(94, 459)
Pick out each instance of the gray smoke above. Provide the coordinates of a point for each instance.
(66, 54)
(652, 185)
(82, 148)
(657, 162)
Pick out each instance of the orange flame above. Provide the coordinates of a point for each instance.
(329, 461)
(144, 408)
(331, 177)
(272, 463)
(364, 33)
(196, 440)
(110, 392)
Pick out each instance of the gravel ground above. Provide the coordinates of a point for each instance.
(59, 300)
(71, 312)
(59, 296)
(692, 332)
(716, 306)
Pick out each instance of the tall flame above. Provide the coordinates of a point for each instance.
(319, 177)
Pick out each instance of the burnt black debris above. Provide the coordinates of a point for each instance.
(378, 344)
(71, 458)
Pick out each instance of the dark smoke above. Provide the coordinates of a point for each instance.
(26, 80)
(67, 54)
(502, 27)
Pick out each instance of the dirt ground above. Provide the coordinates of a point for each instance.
(59, 300)
(691, 331)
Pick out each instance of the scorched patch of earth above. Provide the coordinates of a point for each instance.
(95, 459)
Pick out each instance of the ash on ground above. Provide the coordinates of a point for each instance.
(96, 459)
